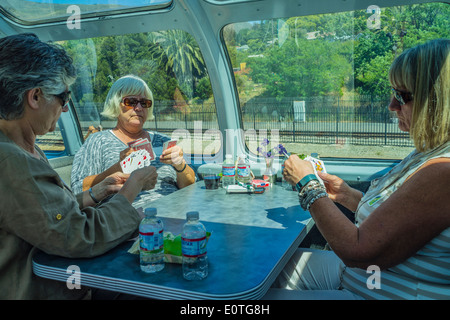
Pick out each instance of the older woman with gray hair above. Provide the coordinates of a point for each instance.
(38, 211)
(130, 103)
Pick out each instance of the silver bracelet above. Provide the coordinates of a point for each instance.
(312, 191)
(320, 195)
(311, 185)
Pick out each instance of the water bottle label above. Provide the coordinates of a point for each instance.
(151, 241)
(228, 171)
(243, 171)
(193, 248)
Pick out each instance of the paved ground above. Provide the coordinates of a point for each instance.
(350, 151)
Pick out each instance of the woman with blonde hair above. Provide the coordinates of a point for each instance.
(402, 223)
(130, 103)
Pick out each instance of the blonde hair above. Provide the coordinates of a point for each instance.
(424, 71)
(128, 85)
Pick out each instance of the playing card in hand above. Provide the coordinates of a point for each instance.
(169, 144)
(142, 144)
(136, 160)
(318, 165)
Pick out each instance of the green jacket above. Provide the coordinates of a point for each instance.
(38, 211)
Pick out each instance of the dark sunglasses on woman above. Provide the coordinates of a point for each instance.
(133, 102)
(402, 97)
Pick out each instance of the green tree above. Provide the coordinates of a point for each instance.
(204, 90)
(300, 69)
(180, 56)
(401, 28)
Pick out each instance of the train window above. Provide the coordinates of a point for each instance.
(52, 143)
(172, 65)
(320, 82)
(40, 11)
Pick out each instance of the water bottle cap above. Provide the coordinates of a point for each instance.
(192, 215)
(150, 212)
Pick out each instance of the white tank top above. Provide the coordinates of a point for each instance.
(426, 274)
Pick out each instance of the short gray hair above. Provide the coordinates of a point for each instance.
(26, 63)
(126, 86)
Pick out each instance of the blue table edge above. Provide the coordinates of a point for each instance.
(148, 290)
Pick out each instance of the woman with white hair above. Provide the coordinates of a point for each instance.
(130, 102)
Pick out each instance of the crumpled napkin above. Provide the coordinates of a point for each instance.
(172, 247)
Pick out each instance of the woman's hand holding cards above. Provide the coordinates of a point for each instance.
(173, 156)
(106, 187)
(147, 176)
(139, 179)
(125, 153)
(110, 185)
(138, 154)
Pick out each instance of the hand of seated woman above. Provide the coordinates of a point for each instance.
(110, 185)
(147, 176)
(125, 153)
(172, 156)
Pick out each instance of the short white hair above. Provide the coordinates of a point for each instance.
(128, 85)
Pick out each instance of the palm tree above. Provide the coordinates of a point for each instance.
(180, 55)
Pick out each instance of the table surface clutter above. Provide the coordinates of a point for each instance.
(252, 238)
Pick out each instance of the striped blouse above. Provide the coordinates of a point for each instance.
(102, 150)
(426, 274)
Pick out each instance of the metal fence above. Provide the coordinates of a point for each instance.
(360, 120)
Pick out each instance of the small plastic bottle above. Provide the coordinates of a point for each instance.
(243, 170)
(228, 171)
(193, 247)
(151, 242)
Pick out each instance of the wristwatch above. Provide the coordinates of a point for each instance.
(304, 181)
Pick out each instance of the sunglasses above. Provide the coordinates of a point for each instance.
(133, 102)
(64, 97)
(402, 97)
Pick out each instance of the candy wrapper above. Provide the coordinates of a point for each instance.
(172, 247)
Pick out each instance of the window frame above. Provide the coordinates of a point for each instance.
(88, 15)
(206, 21)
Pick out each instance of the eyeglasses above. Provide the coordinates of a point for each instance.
(64, 96)
(402, 97)
(133, 102)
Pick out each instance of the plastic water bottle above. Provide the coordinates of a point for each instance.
(228, 171)
(193, 247)
(243, 170)
(151, 242)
